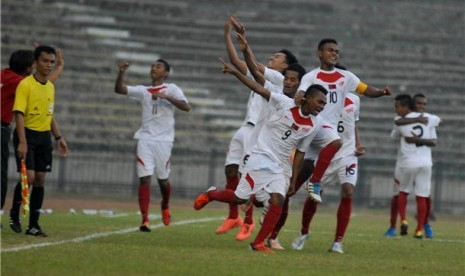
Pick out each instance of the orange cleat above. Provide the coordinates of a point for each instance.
(245, 231)
(261, 247)
(166, 216)
(203, 199)
(229, 224)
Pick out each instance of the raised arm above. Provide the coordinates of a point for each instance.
(232, 54)
(119, 87)
(53, 77)
(253, 85)
(250, 59)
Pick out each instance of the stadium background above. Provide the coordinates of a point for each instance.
(413, 47)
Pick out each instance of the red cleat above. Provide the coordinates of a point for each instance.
(166, 216)
(203, 199)
(229, 224)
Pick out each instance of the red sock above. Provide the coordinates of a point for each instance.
(231, 184)
(308, 211)
(271, 218)
(394, 211)
(282, 220)
(421, 211)
(324, 159)
(428, 209)
(402, 205)
(343, 217)
(144, 201)
(222, 196)
(165, 194)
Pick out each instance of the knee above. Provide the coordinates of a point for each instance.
(347, 190)
(145, 180)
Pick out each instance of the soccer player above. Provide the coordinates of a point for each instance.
(268, 169)
(413, 166)
(155, 137)
(33, 109)
(342, 170)
(339, 83)
(242, 142)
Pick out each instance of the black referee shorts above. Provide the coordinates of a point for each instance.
(39, 150)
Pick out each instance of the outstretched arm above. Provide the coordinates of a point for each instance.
(232, 54)
(250, 59)
(373, 92)
(253, 85)
(181, 104)
(119, 87)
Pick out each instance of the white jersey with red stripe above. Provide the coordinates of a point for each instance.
(256, 102)
(346, 126)
(157, 114)
(285, 129)
(339, 83)
(416, 155)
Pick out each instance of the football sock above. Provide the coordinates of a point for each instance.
(144, 201)
(343, 217)
(308, 212)
(394, 211)
(36, 201)
(324, 159)
(231, 184)
(421, 211)
(165, 194)
(402, 205)
(282, 220)
(271, 218)
(428, 209)
(16, 204)
(222, 196)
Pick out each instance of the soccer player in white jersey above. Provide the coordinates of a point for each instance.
(268, 168)
(339, 83)
(415, 162)
(155, 137)
(343, 170)
(419, 101)
(242, 141)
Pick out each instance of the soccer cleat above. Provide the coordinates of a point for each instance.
(15, 225)
(428, 231)
(261, 247)
(203, 199)
(166, 216)
(145, 227)
(245, 231)
(391, 232)
(274, 243)
(266, 206)
(404, 228)
(314, 191)
(229, 224)
(418, 235)
(299, 241)
(35, 231)
(337, 247)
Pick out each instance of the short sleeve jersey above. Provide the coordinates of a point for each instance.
(36, 101)
(346, 126)
(287, 128)
(256, 102)
(417, 155)
(339, 83)
(157, 114)
(9, 82)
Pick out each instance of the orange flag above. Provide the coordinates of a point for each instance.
(24, 189)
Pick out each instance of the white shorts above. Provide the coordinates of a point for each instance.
(239, 145)
(325, 135)
(255, 182)
(340, 171)
(154, 155)
(415, 179)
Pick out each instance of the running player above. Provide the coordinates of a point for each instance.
(155, 137)
(268, 167)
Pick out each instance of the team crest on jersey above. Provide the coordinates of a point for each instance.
(332, 86)
(341, 83)
(295, 127)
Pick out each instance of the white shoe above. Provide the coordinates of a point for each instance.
(314, 191)
(337, 247)
(274, 244)
(299, 241)
(266, 206)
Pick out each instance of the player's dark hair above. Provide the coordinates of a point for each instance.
(290, 58)
(314, 88)
(20, 60)
(325, 41)
(43, 48)
(167, 65)
(297, 68)
(405, 100)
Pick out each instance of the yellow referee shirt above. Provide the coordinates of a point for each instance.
(36, 101)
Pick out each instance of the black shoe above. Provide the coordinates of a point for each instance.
(144, 228)
(36, 231)
(15, 225)
(404, 229)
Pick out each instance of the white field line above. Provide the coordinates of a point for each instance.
(104, 234)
